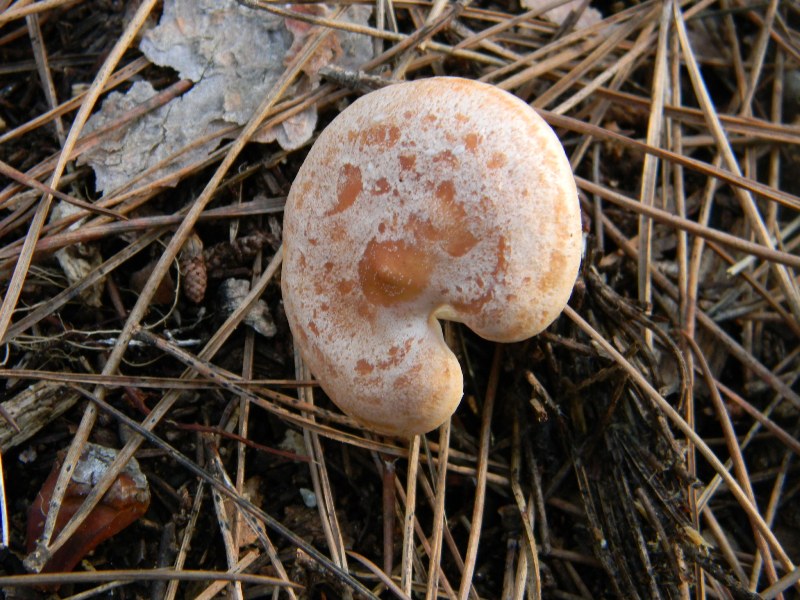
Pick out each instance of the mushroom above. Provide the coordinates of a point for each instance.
(442, 198)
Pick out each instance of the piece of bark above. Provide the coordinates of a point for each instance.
(32, 409)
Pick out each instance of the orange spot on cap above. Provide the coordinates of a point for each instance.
(363, 367)
(348, 188)
(381, 187)
(497, 160)
(407, 162)
(447, 157)
(383, 136)
(393, 271)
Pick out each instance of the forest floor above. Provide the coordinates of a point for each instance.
(644, 446)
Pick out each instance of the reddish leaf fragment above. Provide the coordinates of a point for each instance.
(126, 501)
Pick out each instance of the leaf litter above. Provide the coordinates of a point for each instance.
(603, 460)
(233, 54)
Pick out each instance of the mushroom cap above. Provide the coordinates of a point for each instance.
(442, 198)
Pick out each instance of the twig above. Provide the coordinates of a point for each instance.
(480, 484)
(438, 514)
(407, 577)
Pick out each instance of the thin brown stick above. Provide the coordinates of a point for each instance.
(438, 514)
(48, 579)
(480, 485)
(655, 127)
(407, 577)
(723, 418)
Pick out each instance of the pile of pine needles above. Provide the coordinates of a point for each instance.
(642, 447)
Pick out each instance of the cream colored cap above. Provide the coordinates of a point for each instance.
(442, 198)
